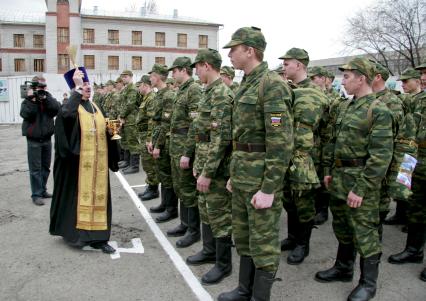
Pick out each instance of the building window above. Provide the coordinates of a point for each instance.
(160, 60)
(136, 63)
(63, 62)
(136, 37)
(89, 61)
(113, 37)
(39, 65)
(88, 35)
(160, 39)
(203, 41)
(63, 35)
(38, 41)
(18, 41)
(182, 40)
(19, 65)
(113, 63)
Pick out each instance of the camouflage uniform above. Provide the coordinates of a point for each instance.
(129, 112)
(230, 72)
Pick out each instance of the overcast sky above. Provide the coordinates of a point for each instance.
(316, 26)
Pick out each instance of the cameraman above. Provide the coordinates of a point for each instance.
(38, 110)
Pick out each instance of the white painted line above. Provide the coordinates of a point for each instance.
(137, 186)
(116, 254)
(177, 260)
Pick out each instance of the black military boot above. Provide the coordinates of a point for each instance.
(292, 227)
(298, 254)
(343, 269)
(262, 285)
(423, 275)
(413, 252)
(400, 216)
(382, 217)
(171, 211)
(193, 234)
(243, 291)
(367, 285)
(180, 229)
(126, 159)
(134, 165)
(150, 193)
(208, 253)
(162, 206)
(223, 265)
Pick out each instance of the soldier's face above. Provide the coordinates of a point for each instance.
(291, 68)
(118, 86)
(126, 78)
(226, 79)
(423, 78)
(319, 81)
(201, 71)
(178, 75)
(410, 85)
(351, 82)
(154, 79)
(239, 56)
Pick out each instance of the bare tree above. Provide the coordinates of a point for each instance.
(391, 31)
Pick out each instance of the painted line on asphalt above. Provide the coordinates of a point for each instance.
(137, 186)
(177, 260)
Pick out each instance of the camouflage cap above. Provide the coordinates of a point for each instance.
(126, 72)
(181, 62)
(159, 69)
(227, 70)
(330, 74)
(279, 69)
(250, 36)
(362, 65)
(421, 66)
(208, 55)
(382, 70)
(109, 83)
(317, 70)
(409, 73)
(145, 79)
(298, 54)
(119, 80)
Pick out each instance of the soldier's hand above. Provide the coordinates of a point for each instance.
(229, 185)
(353, 200)
(203, 183)
(327, 181)
(149, 147)
(156, 153)
(184, 162)
(262, 200)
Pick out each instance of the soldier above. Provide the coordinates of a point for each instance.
(182, 150)
(228, 73)
(280, 70)
(211, 167)
(171, 83)
(160, 141)
(358, 157)
(128, 114)
(411, 84)
(416, 211)
(145, 125)
(262, 132)
(330, 91)
(302, 179)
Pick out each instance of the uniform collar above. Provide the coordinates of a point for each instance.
(186, 84)
(213, 84)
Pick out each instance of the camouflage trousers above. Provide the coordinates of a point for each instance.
(416, 211)
(163, 167)
(215, 207)
(184, 183)
(300, 203)
(357, 225)
(148, 164)
(131, 139)
(256, 231)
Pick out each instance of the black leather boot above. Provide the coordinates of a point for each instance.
(298, 254)
(180, 229)
(413, 252)
(150, 193)
(170, 201)
(262, 285)
(423, 275)
(162, 206)
(193, 234)
(126, 159)
(134, 165)
(343, 269)
(243, 291)
(223, 265)
(367, 285)
(400, 216)
(292, 227)
(208, 253)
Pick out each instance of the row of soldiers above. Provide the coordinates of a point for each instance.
(233, 158)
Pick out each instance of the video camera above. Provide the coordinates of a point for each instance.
(37, 87)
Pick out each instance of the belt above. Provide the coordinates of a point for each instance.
(303, 125)
(202, 138)
(409, 142)
(349, 162)
(249, 147)
(181, 131)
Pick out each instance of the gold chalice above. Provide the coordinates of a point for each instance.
(114, 125)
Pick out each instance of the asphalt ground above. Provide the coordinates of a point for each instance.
(37, 266)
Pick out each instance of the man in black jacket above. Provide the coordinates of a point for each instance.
(38, 110)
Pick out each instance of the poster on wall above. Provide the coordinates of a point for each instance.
(4, 92)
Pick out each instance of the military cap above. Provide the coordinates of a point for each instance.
(227, 70)
(330, 74)
(279, 69)
(208, 55)
(170, 80)
(250, 36)
(126, 72)
(317, 70)
(110, 82)
(159, 69)
(297, 53)
(119, 80)
(421, 66)
(181, 62)
(362, 65)
(382, 70)
(145, 79)
(409, 73)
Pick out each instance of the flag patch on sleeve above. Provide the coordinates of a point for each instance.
(276, 119)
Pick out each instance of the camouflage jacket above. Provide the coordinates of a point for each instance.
(163, 109)
(213, 131)
(130, 104)
(234, 87)
(184, 111)
(420, 120)
(146, 113)
(99, 99)
(395, 105)
(115, 105)
(262, 118)
(108, 103)
(366, 141)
